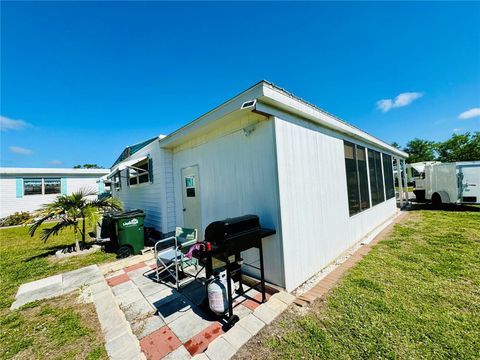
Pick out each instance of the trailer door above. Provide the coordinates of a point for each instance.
(469, 175)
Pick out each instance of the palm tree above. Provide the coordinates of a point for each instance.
(70, 209)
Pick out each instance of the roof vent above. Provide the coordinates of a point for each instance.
(248, 104)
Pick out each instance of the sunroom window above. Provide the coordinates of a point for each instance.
(357, 184)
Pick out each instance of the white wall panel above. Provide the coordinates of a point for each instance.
(316, 226)
(149, 197)
(237, 177)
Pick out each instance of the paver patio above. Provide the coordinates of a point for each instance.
(171, 324)
(141, 317)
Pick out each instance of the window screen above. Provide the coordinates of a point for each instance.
(376, 178)
(52, 186)
(388, 174)
(352, 178)
(32, 186)
(362, 177)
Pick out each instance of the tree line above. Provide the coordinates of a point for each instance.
(459, 147)
(88, 166)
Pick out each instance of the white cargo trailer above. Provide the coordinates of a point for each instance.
(451, 183)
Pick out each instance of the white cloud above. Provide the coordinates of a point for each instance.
(7, 124)
(55, 162)
(402, 99)
(20, 150)
(469, 114)
(457, 130)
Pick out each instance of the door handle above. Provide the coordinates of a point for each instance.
(184, 209)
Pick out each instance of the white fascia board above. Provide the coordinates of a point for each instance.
(283, 101)
(51, 171)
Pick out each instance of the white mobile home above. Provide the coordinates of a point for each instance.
(27, 189)
(321, 183)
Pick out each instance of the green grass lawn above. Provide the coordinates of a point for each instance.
(415, 295)
(59, 328)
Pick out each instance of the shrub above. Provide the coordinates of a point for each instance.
(17, 218)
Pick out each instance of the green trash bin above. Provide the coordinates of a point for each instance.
(129, 232)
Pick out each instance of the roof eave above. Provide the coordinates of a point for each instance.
(283, 100)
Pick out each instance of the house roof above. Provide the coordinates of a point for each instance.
(132, 149)
(51, 171)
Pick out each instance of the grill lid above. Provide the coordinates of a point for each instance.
(218, 231)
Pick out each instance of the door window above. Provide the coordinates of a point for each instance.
(190, 186)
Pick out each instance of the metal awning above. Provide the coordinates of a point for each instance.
(127, 164)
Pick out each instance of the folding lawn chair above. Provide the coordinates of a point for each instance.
(170, 258)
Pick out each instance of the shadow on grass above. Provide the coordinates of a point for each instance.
(444, 207)
(50, 251)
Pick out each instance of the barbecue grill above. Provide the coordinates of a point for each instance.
(228, 238)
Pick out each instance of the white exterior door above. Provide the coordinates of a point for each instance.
(470, 178)
(191, 199)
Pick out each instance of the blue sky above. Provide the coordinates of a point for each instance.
(82, 80)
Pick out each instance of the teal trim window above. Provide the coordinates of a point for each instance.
(42, 186)
(32, 186)
(64, 185)
(101, 187)
(19, 187)
(52, 186)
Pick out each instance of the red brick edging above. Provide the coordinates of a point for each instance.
(332, 279)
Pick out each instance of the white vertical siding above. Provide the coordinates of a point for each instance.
(237, 177)
(9, 203)
(76, 183)
(148, 197)
(316, 226)
(169, 220)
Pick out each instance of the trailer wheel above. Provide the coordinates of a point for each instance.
(436, 200)
(124, 252)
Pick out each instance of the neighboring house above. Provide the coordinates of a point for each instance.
(27, 189)
(323, 184)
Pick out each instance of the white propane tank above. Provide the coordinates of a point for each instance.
(217, 294)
